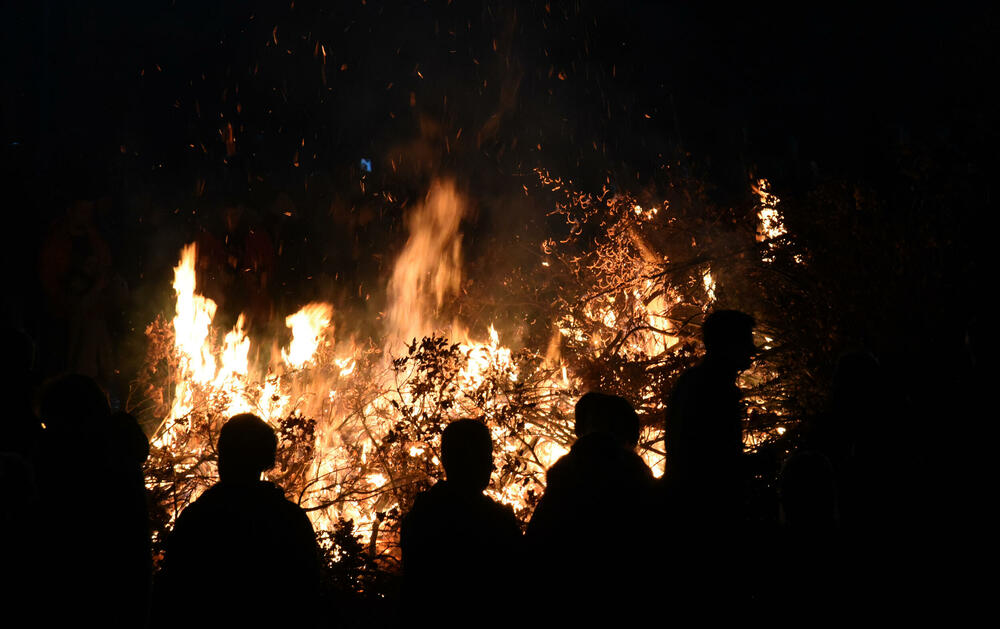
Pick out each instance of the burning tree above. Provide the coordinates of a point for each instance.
(632, 283)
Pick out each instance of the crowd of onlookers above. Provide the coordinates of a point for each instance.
(607, 542)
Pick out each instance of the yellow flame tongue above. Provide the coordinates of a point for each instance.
(307, 327)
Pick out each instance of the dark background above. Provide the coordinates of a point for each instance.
(131, 103)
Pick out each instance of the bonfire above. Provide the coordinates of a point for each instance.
(360, 420)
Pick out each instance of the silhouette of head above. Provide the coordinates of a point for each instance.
(625, 421)
(728, 337)
(130, 442)
(247, 447)
(588, 412)
(467, 454)
(599, 412)
(74, 404)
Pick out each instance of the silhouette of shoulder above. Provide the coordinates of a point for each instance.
(441, 496)
(257, 512)
(245, 535)
(598, 461)
(704, 418)
(703, 383)
(460, 550)
(459, 547)
(586, 527)
(596, 470)
(443, 518)
(247, 496)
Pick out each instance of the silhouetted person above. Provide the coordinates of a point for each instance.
(241, 555)
(19, 428)
(881, 497)
(853, 428)
(93, 527)
(703, 478)
(460, 548)
(809, 553)
(590, 528)
(19, 434)
(966, 473)
(704, 421)
(867, 444)
(19, 550)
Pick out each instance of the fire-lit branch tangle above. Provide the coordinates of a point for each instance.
(360, 423)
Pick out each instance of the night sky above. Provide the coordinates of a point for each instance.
(755, 85)
(166, 109)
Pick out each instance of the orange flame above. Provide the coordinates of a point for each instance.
(307, 327)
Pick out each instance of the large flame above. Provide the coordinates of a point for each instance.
(192, 325)
(429, 270)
